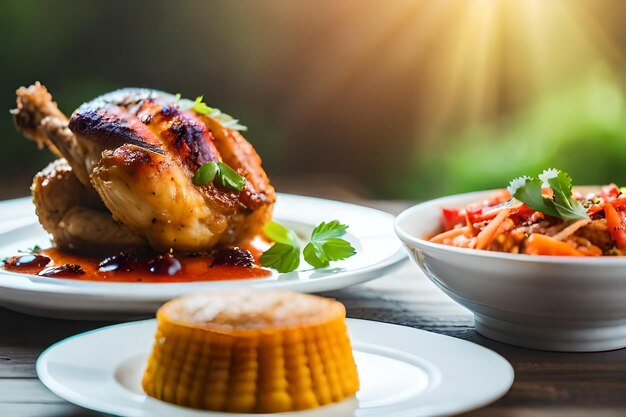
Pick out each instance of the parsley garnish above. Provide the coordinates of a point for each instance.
(225, 175)
(201, 108)
(284, 255)
(561, 205)
(325, 246)
(31, 250)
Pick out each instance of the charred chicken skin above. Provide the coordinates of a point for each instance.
(131, 155)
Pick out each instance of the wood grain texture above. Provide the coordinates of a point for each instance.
(547, 384)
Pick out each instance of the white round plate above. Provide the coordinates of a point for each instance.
(370, 232)
(404, 372)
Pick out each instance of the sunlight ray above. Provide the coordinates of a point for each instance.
(325, 85)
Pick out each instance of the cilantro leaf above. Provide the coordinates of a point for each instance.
(281, 257)
(284, 255)
(561, 205)
(279, 233)
(567, 207)
(530, 194)
(337, 249)
(229, 178)
(328, 230)
(314, 256)
(326, 245)
(224, 119)
(31, 250)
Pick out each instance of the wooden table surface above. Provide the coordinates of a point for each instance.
(546, 383)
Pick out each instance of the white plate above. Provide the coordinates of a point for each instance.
(370, 232)
(16, 213)
(403, 372)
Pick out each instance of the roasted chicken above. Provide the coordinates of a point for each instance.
(126, 177)
(74, 214)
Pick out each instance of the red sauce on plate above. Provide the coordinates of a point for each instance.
(224, 264)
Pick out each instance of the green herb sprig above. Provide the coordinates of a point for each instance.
(220, 172)
(284, 255)
(32, 250)
(324, 246)
(561, 205)
(200, 107)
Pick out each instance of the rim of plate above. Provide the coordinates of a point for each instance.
(438, 203)
(436, 365)
(380, 222)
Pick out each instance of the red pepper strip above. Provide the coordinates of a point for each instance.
(596, 208)
(522, 213)
(610, 192)
(451, 217)
(615, 223)
(477, 215)
(620, 201)
(481, 214)
(470, 226)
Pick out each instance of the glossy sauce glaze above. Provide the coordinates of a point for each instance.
(224, 264)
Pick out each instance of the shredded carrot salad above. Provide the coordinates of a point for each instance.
(502, 223)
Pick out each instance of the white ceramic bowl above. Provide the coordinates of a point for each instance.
(542, 302)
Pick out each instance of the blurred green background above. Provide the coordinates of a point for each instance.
(349, 98)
